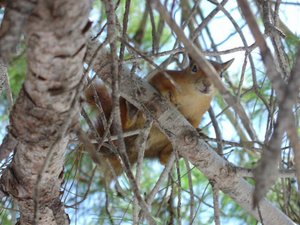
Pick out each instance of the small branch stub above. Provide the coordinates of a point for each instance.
(190, 138)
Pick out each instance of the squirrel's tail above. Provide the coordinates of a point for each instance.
(98, 96)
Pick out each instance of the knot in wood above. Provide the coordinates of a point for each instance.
(224, 172)
(190, 138)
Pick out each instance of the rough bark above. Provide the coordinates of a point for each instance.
(56, 38)
(183, 136)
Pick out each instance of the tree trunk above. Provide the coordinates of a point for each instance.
(56, 38)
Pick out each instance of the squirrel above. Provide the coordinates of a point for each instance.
(189, 90)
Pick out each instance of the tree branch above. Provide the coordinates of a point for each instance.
(183, 135)
(287, 94)
(207, 68)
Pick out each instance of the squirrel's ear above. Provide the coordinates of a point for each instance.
(192, 65)
(191, 61)
(221, 67)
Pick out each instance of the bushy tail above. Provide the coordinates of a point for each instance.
(98, 96)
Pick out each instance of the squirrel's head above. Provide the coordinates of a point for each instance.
(202, 82)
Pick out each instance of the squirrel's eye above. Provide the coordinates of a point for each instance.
(194, 68)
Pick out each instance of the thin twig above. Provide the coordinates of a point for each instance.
(191, 191)
(216, 202)
(116, 112)
(207, 68)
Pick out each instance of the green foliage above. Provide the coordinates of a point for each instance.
(5, 219)
(292, 42)
(232, 210)
(6, 214)
(17, 71)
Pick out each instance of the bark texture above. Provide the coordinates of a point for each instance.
(56, 37)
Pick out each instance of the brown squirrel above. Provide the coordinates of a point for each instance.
(189, 90)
